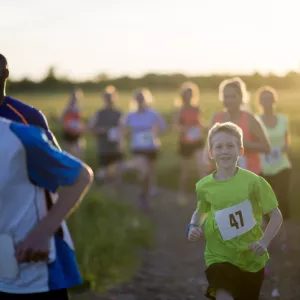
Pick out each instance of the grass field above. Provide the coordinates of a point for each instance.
(168, 167)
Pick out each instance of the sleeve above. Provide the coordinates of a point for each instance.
(125, 120)
(93, 121)
(265, 195)
(37, 118)
(202, 205)
(161, 122)
(286, 122)
(48, 167)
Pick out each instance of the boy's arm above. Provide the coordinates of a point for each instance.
(196, 218)
(268, 202)
(201, 211)
(272, 227)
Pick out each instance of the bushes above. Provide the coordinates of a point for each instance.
(107, 236)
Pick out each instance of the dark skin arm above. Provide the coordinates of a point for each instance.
(35, 246)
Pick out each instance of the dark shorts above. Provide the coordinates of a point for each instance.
(187, 150)
(105, 160)
(70, 138)
(280, 184)
(240, 284)
(150, 155)
(52, 295)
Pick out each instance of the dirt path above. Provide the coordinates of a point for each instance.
(174, 268)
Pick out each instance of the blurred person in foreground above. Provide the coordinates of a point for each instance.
(15, 110)
(36, 260)
(18, 111)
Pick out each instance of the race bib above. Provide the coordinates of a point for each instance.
(113, 134)
(73, 124)
(9, 268)
(143, 139)
(193, 134)
(235, 220)
(242, 162)
(274, 156)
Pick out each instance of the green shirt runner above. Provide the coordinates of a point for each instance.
(234, 210)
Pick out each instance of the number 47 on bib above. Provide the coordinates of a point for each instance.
(236, 220)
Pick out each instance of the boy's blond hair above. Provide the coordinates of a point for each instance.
(227, 127)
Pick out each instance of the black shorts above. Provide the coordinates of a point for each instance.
(280, 184)
(105, 160)
(187, 150)
(51, 295)
(150, 155)
(70, 138)
(240, 284)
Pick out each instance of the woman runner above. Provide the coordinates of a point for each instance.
(144, 126)
(233, 94)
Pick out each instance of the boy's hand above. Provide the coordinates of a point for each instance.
(258, 248)
(195, 233)
(33, 248)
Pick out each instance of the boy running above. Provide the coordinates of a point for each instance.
(35, 261)
(234, 201)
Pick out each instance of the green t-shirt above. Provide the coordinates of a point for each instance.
(234, 211)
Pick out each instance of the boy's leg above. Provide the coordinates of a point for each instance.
(250, 285)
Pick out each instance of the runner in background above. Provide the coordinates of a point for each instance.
(105, 124)
(144, 126)
(73, 126)
(233, 94)
(276, 166)
(188, 123)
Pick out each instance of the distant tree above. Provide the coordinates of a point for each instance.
(101, 77)
(50, 80)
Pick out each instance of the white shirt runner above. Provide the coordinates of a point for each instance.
(9, 267)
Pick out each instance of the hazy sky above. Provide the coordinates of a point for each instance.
(85, 38)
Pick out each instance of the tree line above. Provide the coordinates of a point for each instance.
(52, 82)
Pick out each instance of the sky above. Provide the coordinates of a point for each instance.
(131, 37)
